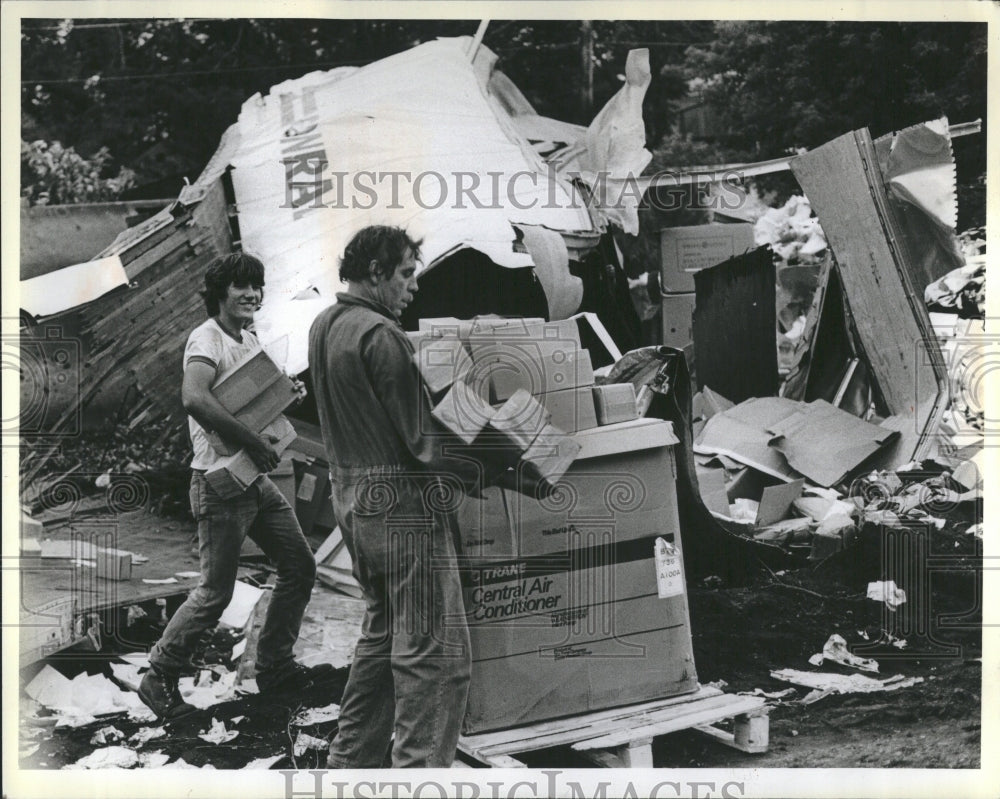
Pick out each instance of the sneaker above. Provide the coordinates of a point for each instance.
(296, 676)
(160, 694)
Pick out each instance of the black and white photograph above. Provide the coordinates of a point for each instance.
(499, 400)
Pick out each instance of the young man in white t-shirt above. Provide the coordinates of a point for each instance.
(233, 291)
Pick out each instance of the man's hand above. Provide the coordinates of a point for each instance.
(263, 454)
(300, 388)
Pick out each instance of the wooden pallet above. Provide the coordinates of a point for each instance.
(622, 737)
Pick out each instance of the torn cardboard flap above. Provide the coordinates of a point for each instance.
(741, 433)
(825, 443)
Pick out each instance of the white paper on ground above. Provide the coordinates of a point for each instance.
(218, 734)
(106, 735)
(835, 650)
(316, 715)
(305, 742)
(263, 762)
(146, 734)
(127, 674)
(163, 581)
(153, 760)
(843, 683)
(108, 757)
(238, 611)
(209, 692)
(887, 592)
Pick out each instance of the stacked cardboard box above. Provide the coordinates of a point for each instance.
(579, 599)
(256, 392)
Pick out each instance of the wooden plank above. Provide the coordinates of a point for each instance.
(841, 181)
(675, 719)
(575, 728)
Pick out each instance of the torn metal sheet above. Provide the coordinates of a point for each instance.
(841, 180)
(71, 286)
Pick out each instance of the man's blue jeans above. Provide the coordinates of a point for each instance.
(412, 664)
(263, 513)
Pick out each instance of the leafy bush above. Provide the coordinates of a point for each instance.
(55, 175)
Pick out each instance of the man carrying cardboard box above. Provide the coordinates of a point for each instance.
(233, 291)
(391, 486)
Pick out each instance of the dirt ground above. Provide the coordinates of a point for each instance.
(741, 634)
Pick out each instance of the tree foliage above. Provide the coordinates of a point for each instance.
(53, 175)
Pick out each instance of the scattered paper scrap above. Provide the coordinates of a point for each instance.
(108, 757)
(773, 694)
(835, 650)
(887, 592)
(238, 611)
(316, 715)
(237, 719)
(105, 736)
(153, 760)
(79, 700)
(126, 674)
(208, 692)
(187, 575)
(305, 742)
(141, 714)
(843, 683)
(263, 763)
(239, 648)
(138, 560)
(182, 763)
(218, 734)
(28, 751)
(248, 686)
(158, 581)
(147, 734)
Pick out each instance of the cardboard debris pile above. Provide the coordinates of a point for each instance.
(794, 474)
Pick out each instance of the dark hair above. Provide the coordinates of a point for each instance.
(236, 269)
(382, 243)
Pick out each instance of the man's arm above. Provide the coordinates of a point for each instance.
(201, 404)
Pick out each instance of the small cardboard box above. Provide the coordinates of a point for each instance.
(536, 366)
(521, 418)
(114, 564)
(232, 475)
(615, 402)
(463, 412)
(572, 409)
(441, 362)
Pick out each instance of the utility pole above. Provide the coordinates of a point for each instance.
(587, 69)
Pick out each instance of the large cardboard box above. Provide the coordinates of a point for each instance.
(535, 366)
(566, 598)
(687, 250)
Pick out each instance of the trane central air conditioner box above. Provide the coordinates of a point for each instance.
(578, 603)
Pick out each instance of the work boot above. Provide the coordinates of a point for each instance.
(295, 676)
(160, 694)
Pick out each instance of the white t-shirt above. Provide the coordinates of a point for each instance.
(209, 343)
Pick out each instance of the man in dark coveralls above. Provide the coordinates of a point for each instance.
(411, 669)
